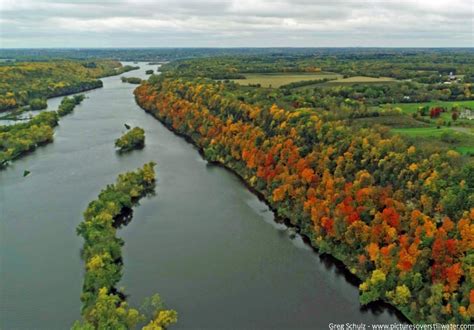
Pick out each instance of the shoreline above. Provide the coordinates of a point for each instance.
(21, 110)
(324, 257)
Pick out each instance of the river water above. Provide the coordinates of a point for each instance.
(204, 242)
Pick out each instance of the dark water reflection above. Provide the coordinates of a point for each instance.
(204, 242)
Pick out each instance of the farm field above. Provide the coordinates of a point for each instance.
(423, 131)
(279, 79)
(351, 81)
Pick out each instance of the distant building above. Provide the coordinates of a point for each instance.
(452, 78)
(467, 114)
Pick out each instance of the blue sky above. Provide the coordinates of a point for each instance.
(236, 23)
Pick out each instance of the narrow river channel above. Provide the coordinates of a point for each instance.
(204, 242)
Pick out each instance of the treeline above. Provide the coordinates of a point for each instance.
(303, 83)
(376, 94)
(27, 83)
(18, 139)
(427, 66)
(104, 307)
(400, 219)
(158, 55)
(133, 139)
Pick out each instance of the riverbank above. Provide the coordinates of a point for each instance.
(307, 236)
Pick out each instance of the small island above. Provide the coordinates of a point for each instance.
(68, 104)
(131, 80)
(149, 71)
(133, 139)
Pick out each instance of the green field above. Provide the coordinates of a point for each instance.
(276, 80)
(465, 150)
(422, 131)
(351, 80)
(463, 142)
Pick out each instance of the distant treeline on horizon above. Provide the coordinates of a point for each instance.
(151, 54)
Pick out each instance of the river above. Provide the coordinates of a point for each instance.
(204, 242)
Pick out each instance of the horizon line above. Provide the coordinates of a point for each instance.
(249, 47)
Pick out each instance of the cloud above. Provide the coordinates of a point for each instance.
(211, 23)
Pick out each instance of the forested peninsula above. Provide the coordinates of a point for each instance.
(27, 83)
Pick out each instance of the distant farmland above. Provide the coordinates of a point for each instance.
(278, 79)
(340, 80)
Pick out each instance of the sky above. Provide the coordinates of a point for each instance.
(236, 23)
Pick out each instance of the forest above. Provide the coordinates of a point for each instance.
(400, 218)
(31, 83)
